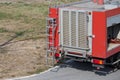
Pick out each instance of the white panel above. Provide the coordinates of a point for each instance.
(74, 33)
(82, 30)
(66, 31)
(118, 36)
(113, 20)
(90, 34)
(73, 28)
(110, 6)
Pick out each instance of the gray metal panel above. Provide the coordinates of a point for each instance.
(77, 29)
(113, 20)
(73, 29)
(90, 34)
(70, 30)
(82, 30)
(66, 28)
(88, 5)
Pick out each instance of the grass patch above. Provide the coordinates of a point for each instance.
(2, 30)
(20, 33)
(22, 21)
(4, 15)
(5, 4)
(3, 50)
(31, 14)
(37, 71)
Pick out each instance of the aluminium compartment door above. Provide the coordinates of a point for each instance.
(73, 28)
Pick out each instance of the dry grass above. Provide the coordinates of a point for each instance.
(23, 20)
(23, 17)
(22, 58)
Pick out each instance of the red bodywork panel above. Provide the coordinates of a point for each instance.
(99, 48)
(99, 31)
(54, 13)
(113, 12)
(99, 26)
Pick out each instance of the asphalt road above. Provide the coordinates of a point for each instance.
(76, 71)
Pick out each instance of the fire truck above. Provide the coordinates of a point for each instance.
(88, 30)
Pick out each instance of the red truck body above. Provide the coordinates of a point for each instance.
(85, 31)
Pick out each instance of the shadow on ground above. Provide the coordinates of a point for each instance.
(86, 66)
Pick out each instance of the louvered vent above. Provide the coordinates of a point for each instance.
(82, 30)
(66, 28)
(74, 29)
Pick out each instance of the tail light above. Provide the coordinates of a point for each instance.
(97, 61)
(57, 55)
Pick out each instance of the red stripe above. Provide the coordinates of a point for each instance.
(113, 12)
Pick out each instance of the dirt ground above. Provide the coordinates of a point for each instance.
(3, 1)
(22, 58)
(22, 37)
(18, 56)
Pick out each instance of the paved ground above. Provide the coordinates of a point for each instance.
(76, 71)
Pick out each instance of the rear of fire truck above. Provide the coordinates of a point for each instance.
(88, 30)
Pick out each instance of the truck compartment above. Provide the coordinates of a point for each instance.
(85, 31)
(113, 36)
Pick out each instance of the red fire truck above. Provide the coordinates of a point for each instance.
(88, 30)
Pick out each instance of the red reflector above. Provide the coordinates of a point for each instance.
(57, 55)
(95, 61)
(89, 13)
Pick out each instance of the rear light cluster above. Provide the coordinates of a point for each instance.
(97, 61)
(57, 55)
